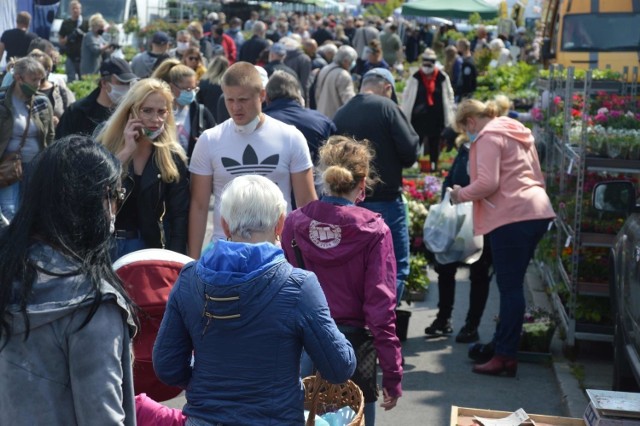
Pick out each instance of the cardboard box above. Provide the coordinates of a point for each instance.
(592, 417)
(461, 416)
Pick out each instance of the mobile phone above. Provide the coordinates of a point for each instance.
(133, 114)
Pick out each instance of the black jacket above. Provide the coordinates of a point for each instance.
(198, 123)
(83, 116)
(159, 202)
(458, 174)
(382, 122)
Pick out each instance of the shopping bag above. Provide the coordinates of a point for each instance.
(441, 226)
(466, 247)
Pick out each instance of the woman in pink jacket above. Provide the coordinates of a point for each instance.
(350, 249)
(511, 207)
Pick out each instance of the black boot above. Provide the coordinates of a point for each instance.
(481, 353)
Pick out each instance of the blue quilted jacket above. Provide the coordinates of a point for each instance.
(246, 314)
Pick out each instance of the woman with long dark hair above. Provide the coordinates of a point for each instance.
(65, 320)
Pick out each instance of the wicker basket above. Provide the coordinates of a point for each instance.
(320, 394)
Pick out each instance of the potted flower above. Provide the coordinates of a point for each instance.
(537, 330)
(417, 283)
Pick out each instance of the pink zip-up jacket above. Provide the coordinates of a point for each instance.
(507, 184)
(350, 249)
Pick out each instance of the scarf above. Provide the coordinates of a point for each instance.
(429, 81)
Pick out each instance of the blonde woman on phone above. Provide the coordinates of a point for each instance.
(141, 133)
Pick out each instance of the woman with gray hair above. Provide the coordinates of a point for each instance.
(246, 314)
(26, 128)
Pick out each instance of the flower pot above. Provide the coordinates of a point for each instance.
(539, 341)
(425, 166)
(415, 295)
(402, 324)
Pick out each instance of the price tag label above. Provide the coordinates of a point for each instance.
(550, 225)
(568, 242)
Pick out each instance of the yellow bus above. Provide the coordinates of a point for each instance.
(592, 34)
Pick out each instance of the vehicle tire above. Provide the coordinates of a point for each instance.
(623, 379)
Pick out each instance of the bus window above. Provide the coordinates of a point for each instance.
(603, 32)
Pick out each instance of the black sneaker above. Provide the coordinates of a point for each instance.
(467, 334)
(439, 327)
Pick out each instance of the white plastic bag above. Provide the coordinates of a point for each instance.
(466, 247)
(440, 227)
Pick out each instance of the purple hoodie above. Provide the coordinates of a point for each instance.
(350, 249)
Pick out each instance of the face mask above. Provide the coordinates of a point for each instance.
(182, 46)
(117, 92)
(186, 97)
(100, 32)
(249, 127)
(472, 136)
(153, 135)
(28, 90)
(112, 219)
(427, 70)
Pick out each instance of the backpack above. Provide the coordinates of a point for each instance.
(149, 276)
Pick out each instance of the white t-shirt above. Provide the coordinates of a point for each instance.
(275, 150)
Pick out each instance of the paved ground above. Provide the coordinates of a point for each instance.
(438, 371)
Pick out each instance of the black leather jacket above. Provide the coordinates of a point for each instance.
(160, 202)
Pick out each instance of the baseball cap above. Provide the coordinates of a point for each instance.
(385, 74)
(278, 49)
(119, 68)
(160, 37)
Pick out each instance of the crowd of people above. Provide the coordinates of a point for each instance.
(295, 128)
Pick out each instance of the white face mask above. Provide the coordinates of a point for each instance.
(117, 92)
(249, 127)
(153, 135)
(427, 70)
(181, 46)
(112, 219)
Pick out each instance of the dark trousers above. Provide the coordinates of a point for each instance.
(431, 146)
(480, 277)
(512, 247)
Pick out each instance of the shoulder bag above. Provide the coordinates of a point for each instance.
(11, 164)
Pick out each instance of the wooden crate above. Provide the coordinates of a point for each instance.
(462, 416)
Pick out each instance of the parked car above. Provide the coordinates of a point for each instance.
(624, 281)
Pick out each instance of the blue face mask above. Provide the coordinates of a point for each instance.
(472, 136)
(186, 97)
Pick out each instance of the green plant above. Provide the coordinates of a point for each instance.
(131, 25)
(417, 279)
(81, 88)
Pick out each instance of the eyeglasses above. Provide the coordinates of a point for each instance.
(150, 113)
(193, 58)
(189, 89)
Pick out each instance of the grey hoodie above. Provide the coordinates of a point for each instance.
(63, 375)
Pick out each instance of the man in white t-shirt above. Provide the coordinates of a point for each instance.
(250, 142)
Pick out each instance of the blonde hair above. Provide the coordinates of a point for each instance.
(112, 134)
(96, 21)
(172, 71)
(503, 103)
(450, 56)
(474, 108)
(242, 74)
(216, 69)
(344, 162)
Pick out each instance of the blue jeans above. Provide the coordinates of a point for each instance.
(126, 246)
(512, 247)
(10, 197)
(395, 216)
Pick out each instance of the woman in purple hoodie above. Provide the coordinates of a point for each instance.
(511, 207)
(350, 249)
